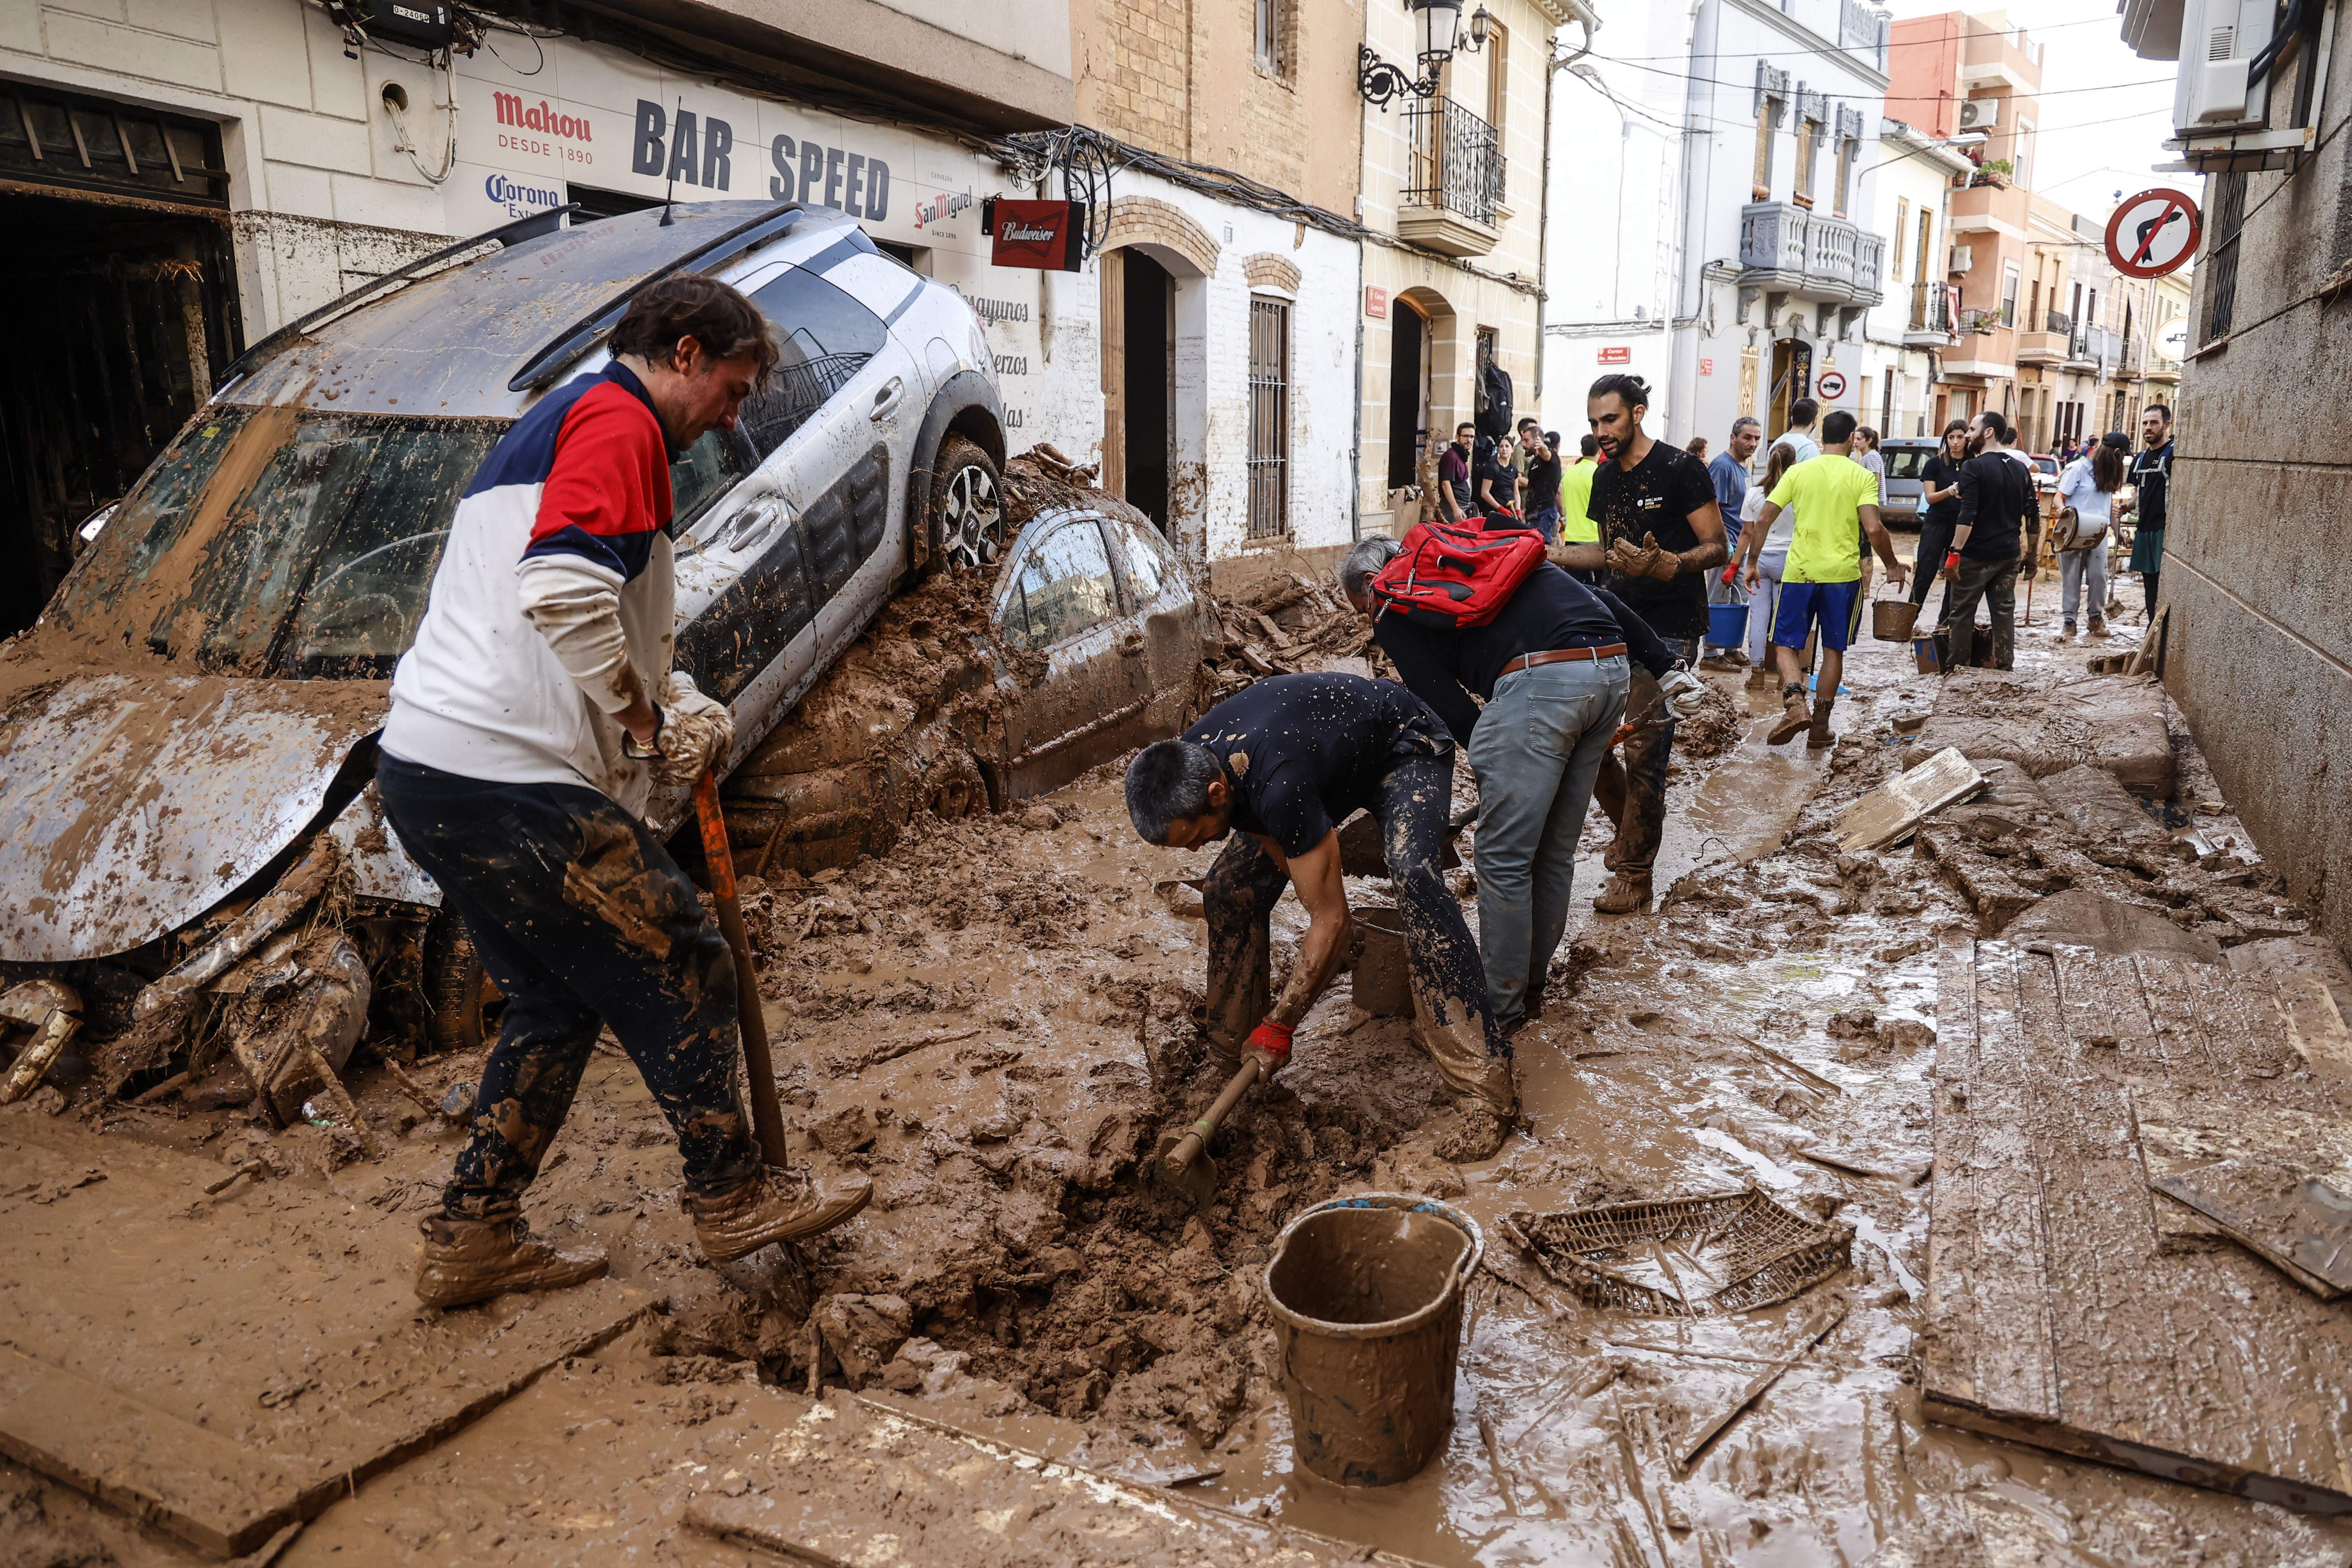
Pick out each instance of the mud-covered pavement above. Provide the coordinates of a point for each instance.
(995, 1021)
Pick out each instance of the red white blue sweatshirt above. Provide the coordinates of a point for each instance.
(550, 611)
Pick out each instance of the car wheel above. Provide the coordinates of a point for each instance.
(459, 995)
(967, 520)
(954, 789)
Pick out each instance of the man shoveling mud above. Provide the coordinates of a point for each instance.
(1287, 761)
(530, 723)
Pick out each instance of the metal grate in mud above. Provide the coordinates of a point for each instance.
(1683, 1257)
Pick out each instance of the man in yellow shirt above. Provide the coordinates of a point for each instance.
(1836, 500)
(1577, 525)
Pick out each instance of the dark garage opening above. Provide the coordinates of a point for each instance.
(116, 261)
(1150, 307)
(1404, 396)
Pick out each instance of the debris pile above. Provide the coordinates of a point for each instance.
(1285, 623)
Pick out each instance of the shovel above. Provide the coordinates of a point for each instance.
(1186, 1166)
(759, 1067)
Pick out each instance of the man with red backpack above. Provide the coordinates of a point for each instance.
(1286, 761)
(1550, 664)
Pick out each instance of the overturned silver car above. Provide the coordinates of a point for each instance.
(190, 852)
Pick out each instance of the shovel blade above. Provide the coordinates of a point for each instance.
(1196, 1183)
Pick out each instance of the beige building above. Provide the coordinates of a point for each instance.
(1453, 190)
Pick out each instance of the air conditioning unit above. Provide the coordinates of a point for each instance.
(1979, 114)
(1963, 258)
(2218, 40)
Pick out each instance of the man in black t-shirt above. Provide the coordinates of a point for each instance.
(1988, 544)
(1287, 760)
(1660, 533)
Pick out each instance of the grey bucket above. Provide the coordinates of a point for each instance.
(1366, 1293)
(1382, 978)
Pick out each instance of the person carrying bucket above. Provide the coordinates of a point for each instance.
(1727, 600)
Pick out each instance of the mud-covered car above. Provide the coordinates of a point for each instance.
(1086, 643)
(187, 833)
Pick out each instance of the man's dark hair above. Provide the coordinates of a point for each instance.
(2158, 408)
(1526, 421)
(1742, 422)
(1994, 421)
(688, 305)
(1838, 426)
(1802, 413)
(1465, 424)
(1169, 779)
(1589, 446)
(1632, 389)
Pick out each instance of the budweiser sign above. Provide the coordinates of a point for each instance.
(1049, 235)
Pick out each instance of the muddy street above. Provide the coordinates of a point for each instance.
(995, 1021)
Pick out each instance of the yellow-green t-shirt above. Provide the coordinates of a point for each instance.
(1828, 493)
(1576, 523)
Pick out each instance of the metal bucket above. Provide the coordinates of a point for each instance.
(1366, 1293)
(1891, 620)
(1382, 978)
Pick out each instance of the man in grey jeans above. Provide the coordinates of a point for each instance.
(1552, 668)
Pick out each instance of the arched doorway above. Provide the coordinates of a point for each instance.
(1148, 382)
(1155, 269)
(1793, 378)
(1408, 392)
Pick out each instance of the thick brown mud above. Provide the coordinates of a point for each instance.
(996, 1021)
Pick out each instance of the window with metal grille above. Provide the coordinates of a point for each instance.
(54, 137)
(1269, 442)
(2221, 254)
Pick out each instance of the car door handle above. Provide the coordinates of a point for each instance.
(752, 525)
(886, 399)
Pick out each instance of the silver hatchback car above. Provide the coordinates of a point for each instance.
(187, 733)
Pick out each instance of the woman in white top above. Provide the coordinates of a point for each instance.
(2089, 486)
(1765, 603)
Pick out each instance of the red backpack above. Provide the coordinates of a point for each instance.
(1450, 576)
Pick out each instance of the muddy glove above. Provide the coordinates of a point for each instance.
(691, 733)
(1629, 560)
(1269, 1041)
(1681, 692)
(1664, 564)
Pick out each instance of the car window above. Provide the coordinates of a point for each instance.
(706, 471)
(1147, 560)
(1908, 462)
(1064, 587)
(826, 338)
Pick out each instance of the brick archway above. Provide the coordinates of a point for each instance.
(1148, 221)
(1267, 270)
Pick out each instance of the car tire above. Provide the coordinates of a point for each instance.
(954, 789)
(966, 521)
(460, 996)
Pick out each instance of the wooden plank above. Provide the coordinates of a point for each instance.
(208, 1490)
(1903, 801)
(2170, 986)
(2104, 1011)
(2296, 1221)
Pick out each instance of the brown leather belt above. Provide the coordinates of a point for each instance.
(1560, 656)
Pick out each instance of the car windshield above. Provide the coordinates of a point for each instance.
(300, 542)
(1908, 462)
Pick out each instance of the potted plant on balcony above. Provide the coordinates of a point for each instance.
(1995, 172)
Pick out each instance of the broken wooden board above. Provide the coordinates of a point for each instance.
(2045, 729)
(2055, 1314)
(2297, 1221)
(856, 1482)
(1895, 808)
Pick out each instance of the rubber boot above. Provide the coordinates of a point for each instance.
(1793, 717)
(774, 1206)
(1818, 737)
(474, 1259)
(1628, 893)
(2098, 626)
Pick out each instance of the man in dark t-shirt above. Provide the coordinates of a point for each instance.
(1660, 533)
(1286, 761)
(1552, 669)
(1456, 498)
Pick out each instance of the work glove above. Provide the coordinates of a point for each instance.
(694, 736)
(1664, 564)
(1681, 692)
(1629, 560)
(1270, 1042)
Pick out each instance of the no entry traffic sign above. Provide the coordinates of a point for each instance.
(1831, 385)
(2154, 233)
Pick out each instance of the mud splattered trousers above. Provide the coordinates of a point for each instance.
(583, 919)
(1536, 749)
(1631, 785)
(1995, 582)
(1450, 1014)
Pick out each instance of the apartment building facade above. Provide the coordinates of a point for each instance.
(1917, 320)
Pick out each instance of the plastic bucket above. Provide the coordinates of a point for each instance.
(1727, 624)
(1382, 978)
(1366, 1294)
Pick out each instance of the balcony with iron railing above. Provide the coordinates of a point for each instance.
(1453, 197)
(1790, 249)
(2045, 342)
(1931, 322)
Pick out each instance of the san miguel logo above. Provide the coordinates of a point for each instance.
(1048, 235)
(542, 117)
(939, 209)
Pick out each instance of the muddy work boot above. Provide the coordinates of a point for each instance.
(1818, 736)
(774, 1206)
(474, 1259)
(2098, 626)
(1628, 893)
(1794, 715)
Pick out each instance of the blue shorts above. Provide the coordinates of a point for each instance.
(1829, 605)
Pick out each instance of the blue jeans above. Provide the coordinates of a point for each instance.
(1535, 751)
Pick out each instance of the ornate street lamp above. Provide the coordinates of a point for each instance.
(1437, 25)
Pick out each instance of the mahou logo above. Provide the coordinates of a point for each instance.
(939, 209)
(542, 117)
